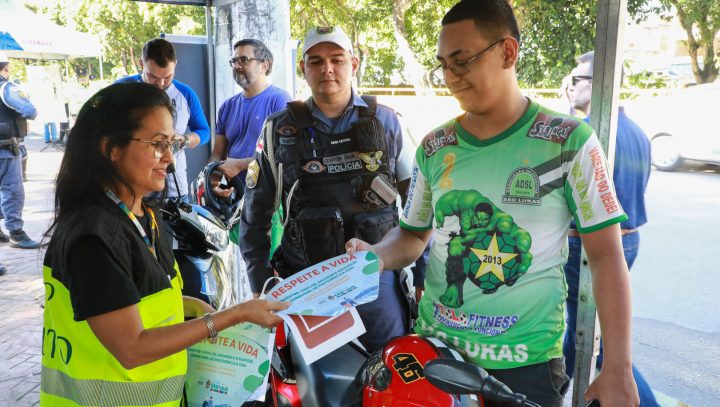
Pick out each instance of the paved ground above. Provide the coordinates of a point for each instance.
(22, 288)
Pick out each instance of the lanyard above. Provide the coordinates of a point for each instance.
(153, 224)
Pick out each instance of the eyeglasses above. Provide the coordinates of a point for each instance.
(576, 79)
(242, 61)
(161, 147)
(458, 68)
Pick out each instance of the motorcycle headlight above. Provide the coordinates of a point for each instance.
(215, 236)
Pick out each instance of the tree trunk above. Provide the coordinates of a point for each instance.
(414, 71)
(709, 72)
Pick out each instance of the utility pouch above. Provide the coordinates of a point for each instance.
(372, 226)
(321, 233)
(5, 131)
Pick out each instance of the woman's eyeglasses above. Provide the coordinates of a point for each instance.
(161, 147)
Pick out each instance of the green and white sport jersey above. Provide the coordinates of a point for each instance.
(500, 211)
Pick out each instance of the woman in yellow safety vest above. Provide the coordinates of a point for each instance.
(113, 330)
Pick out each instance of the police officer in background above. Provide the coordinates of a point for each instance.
(335, 160)
(15, 109)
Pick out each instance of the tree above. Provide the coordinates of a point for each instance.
(123, 25)
(701, 21)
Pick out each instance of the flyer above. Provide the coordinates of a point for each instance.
(331, 287)
(231, 370)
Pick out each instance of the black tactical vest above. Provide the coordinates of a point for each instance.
(11, 123)
(345, 188)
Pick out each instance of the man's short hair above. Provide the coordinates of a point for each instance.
(3, 65)
(160, 50)
(262, 52)
(493, 18)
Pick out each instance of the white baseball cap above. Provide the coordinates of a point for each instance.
(335, 34)
(3, 57)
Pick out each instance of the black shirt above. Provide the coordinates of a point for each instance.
(102, 259)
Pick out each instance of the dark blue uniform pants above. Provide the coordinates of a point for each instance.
(12, 193)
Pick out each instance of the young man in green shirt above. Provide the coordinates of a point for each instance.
(496, 188)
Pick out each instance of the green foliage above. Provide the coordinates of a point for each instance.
(647, 80)
(123, 27)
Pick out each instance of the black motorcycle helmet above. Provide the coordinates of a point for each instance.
(222, 207)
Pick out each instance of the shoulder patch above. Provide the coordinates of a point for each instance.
(253, 172)
(438, 139)
(286, 130)
(552, 128)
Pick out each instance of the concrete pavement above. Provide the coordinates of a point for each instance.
(21, 289)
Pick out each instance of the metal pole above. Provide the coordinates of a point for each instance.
(611, 17)
(211, 70)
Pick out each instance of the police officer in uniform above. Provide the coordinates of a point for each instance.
(15, 109)
(334, 160)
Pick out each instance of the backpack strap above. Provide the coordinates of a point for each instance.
(301, 113)
(371, 108)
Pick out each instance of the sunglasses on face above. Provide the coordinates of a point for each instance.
(577, 79)
(242, 61)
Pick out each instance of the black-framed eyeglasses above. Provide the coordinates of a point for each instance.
(576, 79)
(242, 61)
(459, 68)
(161, 147)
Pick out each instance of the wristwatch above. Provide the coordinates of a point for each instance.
(212, 332)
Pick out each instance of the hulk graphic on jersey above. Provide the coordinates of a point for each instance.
(489, 249)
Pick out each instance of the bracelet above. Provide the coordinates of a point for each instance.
(212, 332)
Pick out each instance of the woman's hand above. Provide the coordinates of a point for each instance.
(261, 312)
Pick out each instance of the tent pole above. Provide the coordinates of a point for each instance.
(211, 69)
(67, 70)
(101, 66)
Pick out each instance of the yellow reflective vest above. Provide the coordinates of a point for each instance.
(77, 370)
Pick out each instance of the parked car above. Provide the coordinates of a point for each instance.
(682, 126)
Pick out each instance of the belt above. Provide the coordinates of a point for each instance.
(623, 232)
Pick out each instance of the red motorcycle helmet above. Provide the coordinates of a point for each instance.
(395, 377)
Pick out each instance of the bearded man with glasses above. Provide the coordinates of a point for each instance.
(241, 117)
(496, 188)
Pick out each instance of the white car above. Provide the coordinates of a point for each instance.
(682, 126)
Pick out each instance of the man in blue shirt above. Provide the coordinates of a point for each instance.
(241, 117)
(158, 63)
(630, 175)
(334, 161)
(15, 109)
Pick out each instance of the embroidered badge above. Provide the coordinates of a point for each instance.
(523, 188)
(287, 130)
(552, 128)
(438, 139)
(253, 172)
(287, 141)
(313, 167)
(372, 160)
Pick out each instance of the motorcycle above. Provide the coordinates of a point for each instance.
(409, 371)
(210, 266)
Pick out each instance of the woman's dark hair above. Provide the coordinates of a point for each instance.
(113, 114)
